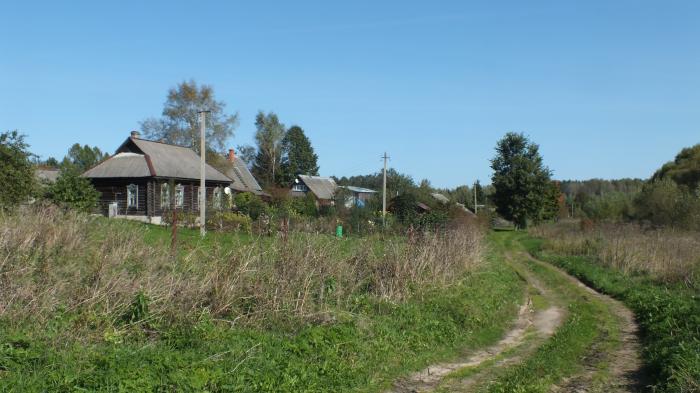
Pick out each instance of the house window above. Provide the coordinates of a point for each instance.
(179, 195)
(197, 191)
(165, 195)
(299, 187)
(217, 198)
(132, 196)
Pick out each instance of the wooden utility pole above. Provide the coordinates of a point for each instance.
(202, 164)
(385, 157)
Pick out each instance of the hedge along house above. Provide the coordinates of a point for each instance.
(134, 182)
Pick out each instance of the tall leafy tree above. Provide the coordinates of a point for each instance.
(247, 153)
(521, 181)
(82, 157)
(16, 170)
(298, 155)
(180, 121)
(268, 137)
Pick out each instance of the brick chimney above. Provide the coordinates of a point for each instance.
(231, 155)
(135, 134)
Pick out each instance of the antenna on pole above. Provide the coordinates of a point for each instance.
(202, 164)
(385, 157)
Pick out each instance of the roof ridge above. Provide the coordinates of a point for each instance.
(162, 143)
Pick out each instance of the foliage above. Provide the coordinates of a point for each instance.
(185, 219)
(684, 170)
(396, 183)
(404, 207)
(82, 157)
(50, 162)
(553, 206)
(73, 191)
(665, 203)
(16, 170)
(463, 195)
(247, 154)
(179, 124)
(228, 221)
(305, 206)
(268, 137)
(298, 156)
(615, 206)
(520, 179)
(249, 204)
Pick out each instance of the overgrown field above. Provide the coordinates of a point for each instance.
(665, 255)
(656, 274)
(93, 304)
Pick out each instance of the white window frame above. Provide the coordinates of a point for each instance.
(300, 187)
(164, 196)
(132, 196)
(179, 195)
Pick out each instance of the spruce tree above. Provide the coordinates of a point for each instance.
(298, 155)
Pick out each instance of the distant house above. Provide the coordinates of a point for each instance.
(46, 175)
(322, 188)
(440, 198)
(242, 179)
(134, 181)
(357, 196)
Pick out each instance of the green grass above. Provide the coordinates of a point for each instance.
(668, 316)
(370, 343)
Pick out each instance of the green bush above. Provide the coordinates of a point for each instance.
(73, 191)
(229, 221)
(665, 203)
(184, 218)
(16, 172)
(249, 204)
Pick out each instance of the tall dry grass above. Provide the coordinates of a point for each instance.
(668, 255)
(96, 269)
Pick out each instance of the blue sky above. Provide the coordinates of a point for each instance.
(607, 88)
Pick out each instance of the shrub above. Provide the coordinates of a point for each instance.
(73, 191)
(250, 204)
(665, 203)
(228, 221)
(16, 171)
(185, 219)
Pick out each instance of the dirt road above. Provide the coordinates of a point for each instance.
(612, 364)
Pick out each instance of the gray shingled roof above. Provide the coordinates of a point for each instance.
(360, 190)
(322, 187)
(242, 179)
(47, 175)
(440, 198)
(167, 161)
